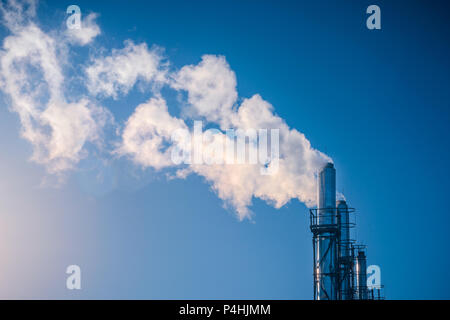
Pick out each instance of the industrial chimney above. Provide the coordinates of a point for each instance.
(340, 267)
(325, 251)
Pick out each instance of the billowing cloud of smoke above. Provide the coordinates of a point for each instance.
(16, 14)
(86, 33)
(31, 69)
(146, 131)
(211, 88)
(116, 74)
(31, 73)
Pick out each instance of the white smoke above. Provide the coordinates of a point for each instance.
(147, 131)
(86, 33)
(211, 88)
(32, 75)
(116, 74)
(31, 63)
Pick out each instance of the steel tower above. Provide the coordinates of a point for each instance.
(340, 266)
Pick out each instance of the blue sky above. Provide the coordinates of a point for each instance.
(377, 102)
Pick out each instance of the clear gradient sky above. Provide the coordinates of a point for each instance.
(377, 102)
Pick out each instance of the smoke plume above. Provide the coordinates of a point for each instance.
(59, 124)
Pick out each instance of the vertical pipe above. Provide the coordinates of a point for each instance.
(344, 228)
(345, 260)
(361, 275)
(326, 200)
(325, 241)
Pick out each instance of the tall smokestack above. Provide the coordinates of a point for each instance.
(326, 194)
(325, 236)
(340, 266)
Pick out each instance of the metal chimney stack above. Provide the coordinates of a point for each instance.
(340, 266)
(325, 236)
